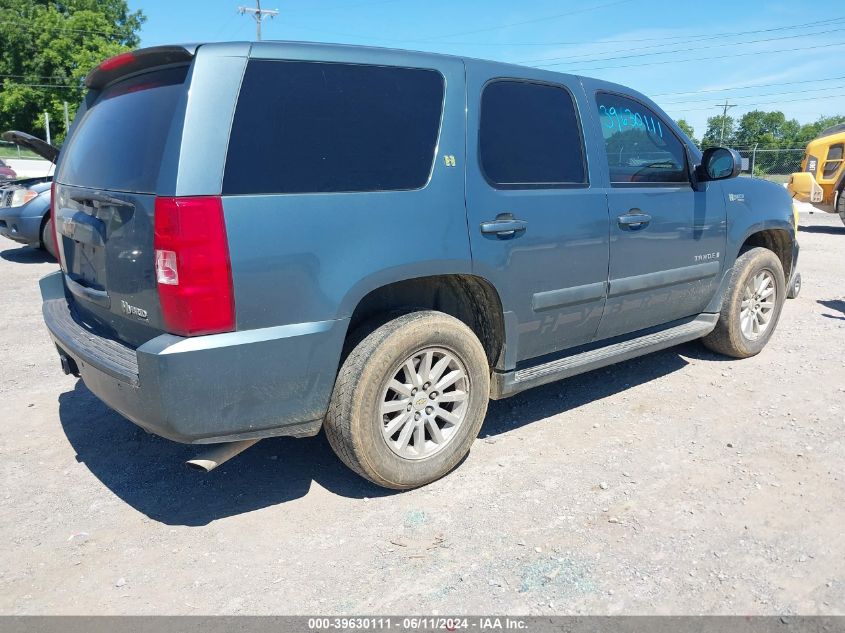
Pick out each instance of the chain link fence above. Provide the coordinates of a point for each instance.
(771, 164)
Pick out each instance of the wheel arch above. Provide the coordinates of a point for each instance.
(776, 238)
(469, 298)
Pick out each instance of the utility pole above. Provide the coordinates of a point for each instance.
(67, 120)
(725, 107)
(259, 15)
(47, 126)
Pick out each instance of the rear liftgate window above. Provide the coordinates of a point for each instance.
(119, 143)
(311, 127)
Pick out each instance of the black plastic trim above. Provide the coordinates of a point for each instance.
(569, 296)
(109, 356)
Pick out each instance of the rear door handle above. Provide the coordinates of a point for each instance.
(634, 220)
(505, 226)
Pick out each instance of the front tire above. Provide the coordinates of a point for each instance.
(409, 400)
(751, 306)
(840, 205)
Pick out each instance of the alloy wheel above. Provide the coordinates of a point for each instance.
(759, 298)
(424, 403)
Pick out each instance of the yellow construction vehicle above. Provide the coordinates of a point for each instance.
(821, 181)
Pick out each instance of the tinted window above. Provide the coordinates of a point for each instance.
(529, 136)
(119, 143)
(309, 127)
(641, 149)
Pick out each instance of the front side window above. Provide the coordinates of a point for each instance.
(834, 160)
(641, 149)
(314, 127)
(529, 136)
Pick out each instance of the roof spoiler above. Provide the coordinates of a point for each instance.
(134, 61)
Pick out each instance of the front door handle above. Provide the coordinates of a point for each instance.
(634, 220)
(505, 226)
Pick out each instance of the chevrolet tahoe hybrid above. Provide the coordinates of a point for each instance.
(265, 239)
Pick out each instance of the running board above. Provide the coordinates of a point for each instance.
(510, 383)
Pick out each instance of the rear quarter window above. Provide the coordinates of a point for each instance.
(313, 127)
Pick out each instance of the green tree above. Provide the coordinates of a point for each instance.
(720, 131)
(767, 130)
(47, 49)
(686, 128)
(809, 131)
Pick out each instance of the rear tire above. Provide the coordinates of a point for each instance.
(840, 205)
(409, 400)
(47, 238)
(751, 306)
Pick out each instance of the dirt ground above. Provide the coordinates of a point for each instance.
(680, 482)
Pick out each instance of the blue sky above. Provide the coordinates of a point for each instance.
(673, 51)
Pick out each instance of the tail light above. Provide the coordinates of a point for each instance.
(55, 236)
(192, 266)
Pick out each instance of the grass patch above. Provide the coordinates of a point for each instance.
(10, 151)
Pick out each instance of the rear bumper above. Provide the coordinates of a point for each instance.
(222, 387)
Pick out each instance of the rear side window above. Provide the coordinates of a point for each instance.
(641, 149)
(529, 136)
(312, 127)
(119, 143)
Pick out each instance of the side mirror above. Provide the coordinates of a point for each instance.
(719, 163)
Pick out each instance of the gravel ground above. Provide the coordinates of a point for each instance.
(676, 483)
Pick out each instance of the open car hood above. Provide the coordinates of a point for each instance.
(42, 148)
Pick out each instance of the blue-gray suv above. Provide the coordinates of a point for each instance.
(276, 238)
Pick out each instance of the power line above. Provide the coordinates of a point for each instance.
(766, 94)
(699, 38)
(535, 20)
(45, 85)
(29, 25)
(36, 76)
(701, 59)
(346, 8)
(754, 105)
(687, 50)
(780, 83)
